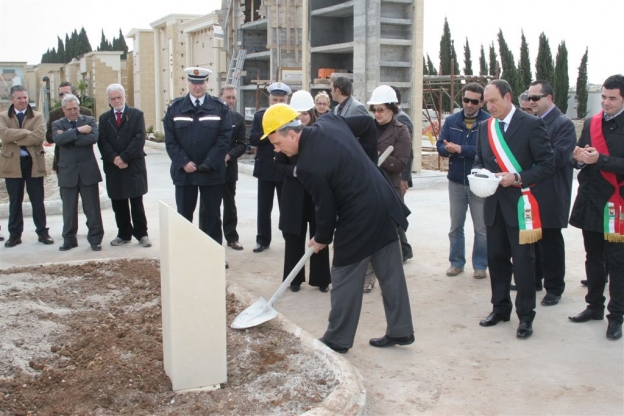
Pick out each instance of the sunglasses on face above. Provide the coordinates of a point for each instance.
(378, 110)
(471, 101)
(535, 97)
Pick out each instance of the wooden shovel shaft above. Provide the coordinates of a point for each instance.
(384, 155)
(291, 277)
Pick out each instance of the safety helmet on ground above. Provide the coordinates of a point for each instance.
(276, 117)
(384, 94)
(302, 101)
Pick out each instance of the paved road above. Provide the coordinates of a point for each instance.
(455, 366)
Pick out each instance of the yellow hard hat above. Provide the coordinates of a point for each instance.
(277, 116)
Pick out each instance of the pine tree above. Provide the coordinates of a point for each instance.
(493, 61)
(581, 88)
(544, 67)
(431, 69)
(562, 80)
(467, 59)
(483, 69)
(524, 65)
(510, 72)
(122, 45)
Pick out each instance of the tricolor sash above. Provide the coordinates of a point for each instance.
(529, 219)
(613, 217)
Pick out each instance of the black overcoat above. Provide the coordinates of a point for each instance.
(238, 145)
(265, 152)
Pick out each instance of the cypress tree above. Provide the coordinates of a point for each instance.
(493, 62)
(467, 60)
(544, 67)
(483, 68)
(510, 72)
(69, 52)
(84, 46)
(562, 79)
(103, 46)
(445, 50)
(122, 45)
(524, 65)
(431, 69)
(581, 88)
(425, 72)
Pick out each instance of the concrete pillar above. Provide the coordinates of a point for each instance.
(192, 270)
(157, 76)
(417, 85)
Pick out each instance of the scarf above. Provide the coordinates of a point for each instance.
(529, 220)
(613, 217)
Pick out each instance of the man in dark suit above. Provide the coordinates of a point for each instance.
(121, 142)
(64, 88)
(357, 208)
(553, 194)
(78, 173)
(341, 90)
(514, 145)
(269, 182)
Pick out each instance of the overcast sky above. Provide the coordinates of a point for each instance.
(28, 29)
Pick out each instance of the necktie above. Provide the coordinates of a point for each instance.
(196, 103)
(23, 150)
(502, 124)
(73, 123)
(118, 115)
(20, 117)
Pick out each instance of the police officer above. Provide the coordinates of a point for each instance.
(197, 136)
(268, 181)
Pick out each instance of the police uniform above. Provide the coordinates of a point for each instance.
(198, 130)
(268, 181)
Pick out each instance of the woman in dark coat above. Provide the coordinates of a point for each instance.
(121, 145)
(297, 211)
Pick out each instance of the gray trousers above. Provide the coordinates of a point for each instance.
(90, 195)
(348, 290)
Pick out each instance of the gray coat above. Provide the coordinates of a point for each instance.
(351, 107)
(77, 161)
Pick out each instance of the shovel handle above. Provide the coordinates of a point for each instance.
(384, 155)
(291, 276)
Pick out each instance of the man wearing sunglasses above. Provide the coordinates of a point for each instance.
(64, 88)
(553, 194)
(458, 142)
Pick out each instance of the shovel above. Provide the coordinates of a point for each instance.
(262, 311)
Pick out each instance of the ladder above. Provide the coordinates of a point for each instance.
(236, 66)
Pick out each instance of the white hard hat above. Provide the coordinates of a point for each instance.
(384, 94)
(483, 183)
(302, 101)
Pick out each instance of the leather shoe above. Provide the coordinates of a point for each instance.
(259, 248)
(387, 341)
(235, 245)
(454, 271)
(525, 329)
(66, 247)
(614, 330)
(586, 315)
(96, 247)
(494, 318)
(46, 239)
(324, 289)
(13, 241)
(550, 300)
(338, 349)
(295, 288)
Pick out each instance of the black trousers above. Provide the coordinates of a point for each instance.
(266, 192)
(599, 252)
(503, 248)
(295, 247)
(550, 261)
(15, 189)
(230, 215)
(186, 201)
(130, 218)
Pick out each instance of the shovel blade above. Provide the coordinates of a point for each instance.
(256, 314)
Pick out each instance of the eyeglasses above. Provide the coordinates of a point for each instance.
(322, 104)
(378, 109)
(471, 101)
(535, 97)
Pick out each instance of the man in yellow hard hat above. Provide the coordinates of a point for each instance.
(356, 208)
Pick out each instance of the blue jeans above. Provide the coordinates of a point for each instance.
(460, 198)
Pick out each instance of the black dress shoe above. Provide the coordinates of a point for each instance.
(235, 245)
(338, 349)
(46, 239)
(586, 315)
(13, 241)
(295, 288)
(550, 300)
(96, 247)
(525, 329)
(387, 341)
(324, 289)
(408, 256)
(259, 248)
(66, 247)
(494, 318)
(614, 330)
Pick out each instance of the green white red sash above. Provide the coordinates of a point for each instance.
(613, 217)
(529, 219)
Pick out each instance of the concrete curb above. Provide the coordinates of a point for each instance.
(349, 397)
